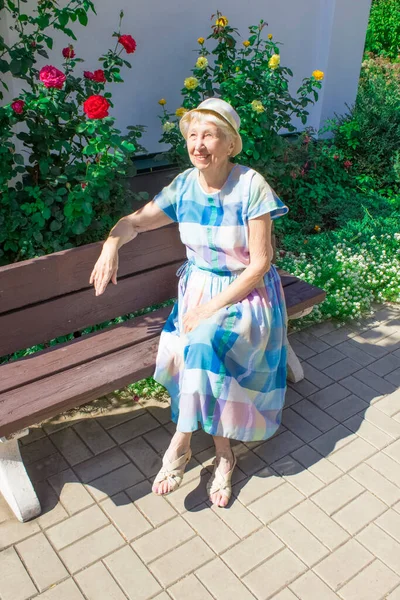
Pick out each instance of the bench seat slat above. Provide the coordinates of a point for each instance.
(53, 395)
(77, 352)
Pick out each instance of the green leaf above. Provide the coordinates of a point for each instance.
(128, 146)
(62, 191)
(15, 67)
(55, 226)
(23, 18)
(48, 41)
(83, 18)
(43, 53)
(19, 159)
(89, 150)
(4, 66)
(63, 18)
(78, 227)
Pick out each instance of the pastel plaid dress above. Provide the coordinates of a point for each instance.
(229, 373)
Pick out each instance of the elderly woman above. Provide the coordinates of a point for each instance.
(222, 352)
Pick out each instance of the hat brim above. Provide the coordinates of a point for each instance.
(238, 147)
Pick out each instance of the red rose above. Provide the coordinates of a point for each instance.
(52, 77)
(347, 164)
(336, 157)
(18, 106)
(83, 185)
(96, 107)
(68, 52)
(99, 76)
(128, 43)
(88, 74)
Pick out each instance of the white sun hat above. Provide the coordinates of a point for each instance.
(222, 109)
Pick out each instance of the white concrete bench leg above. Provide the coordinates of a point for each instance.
(15, 484)
(295, 371)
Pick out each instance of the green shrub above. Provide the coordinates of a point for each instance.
(383, 33)
(69, 184)
(252, 78)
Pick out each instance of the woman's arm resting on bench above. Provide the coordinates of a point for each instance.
(146, 218)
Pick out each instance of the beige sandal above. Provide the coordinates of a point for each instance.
(219, 482)
(173, 471)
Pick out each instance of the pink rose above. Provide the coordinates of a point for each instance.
(128, 43)
(18, 106)
(52, 77)
(68, 52)
(88, 74)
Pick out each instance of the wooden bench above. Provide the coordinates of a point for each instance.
(48, 297)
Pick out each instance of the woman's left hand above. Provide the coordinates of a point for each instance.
(193, 317)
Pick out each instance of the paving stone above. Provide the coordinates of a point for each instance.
(71, 446)
(326, 359)
(158, 439)
(285, 594)
(101, 464)
(143, 456)
(72, 494)
(385, 365)
(346, 408)
(299, 539)
(374, 381)
(352, 454)
(160, 409)
(303, 388)
(343, 564)
(299, 426)
(247, 461)
(319, 524)
(390, 522)
(121, 414)
(238, 518)
(386, 466)
(382, 545)
(200, 441)
(274, 574)
(300, 349)
(252, 551)
(273, 505)
(393, 450)
(15, 583)
(383, 422)
(278, 447)
(317, 464)
(96, 582)
(360, 389)
(373, 350)
(310, 586)
(315, 376)
(339, 336)
(367, 431)
(376, 483)
(191, 495)
(375, 581)
(337, 494)
(37, 450)
(355, 353)
(394, 377)
(358, 513)
(292, 396)
(163, 539)
(46, 467)
(329, 395)
(390, 404)
(133, 428)
(132, 575)
(323, 328)
(41, 562)
(342, 369)
(314, 415)
(76, 527)
(310, 340)
(297, 475)
(114, 482)
(5, 511)
(13, 531)
(395, 595)
(125, 516)
(52, 511)
(333, 440)
(181, 561)
(67, 590)
(222, 583)
(260, 483)
(189, 587)
(212, 529)
(91, 548)
(155, 508)
(35, 433)
(94, 436)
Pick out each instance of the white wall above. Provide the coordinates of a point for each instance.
(317, 34)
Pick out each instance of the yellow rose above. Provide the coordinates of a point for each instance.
(221, 22)
(191, 83)
(318, 75)
(200, 40)
(257, 106)
(246, 43)
(270, 36)
(274, 61)
(162, 102)
(181, 111)
(202, 62)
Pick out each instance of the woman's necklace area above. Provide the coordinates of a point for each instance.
(211, 189)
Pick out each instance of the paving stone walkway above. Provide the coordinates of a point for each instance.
(316, 511)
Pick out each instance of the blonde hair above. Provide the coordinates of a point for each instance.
(205, 115)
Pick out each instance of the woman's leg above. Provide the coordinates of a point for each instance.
(179, 445)
(224, 462)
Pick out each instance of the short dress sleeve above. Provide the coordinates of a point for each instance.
(167, 199)
(263, 199)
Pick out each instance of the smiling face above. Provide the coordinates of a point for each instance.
(209, 149)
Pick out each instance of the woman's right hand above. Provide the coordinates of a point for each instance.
(105, 269)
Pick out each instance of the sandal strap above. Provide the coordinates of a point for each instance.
(173, 471)
(220, 482)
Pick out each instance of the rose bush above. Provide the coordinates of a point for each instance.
(66, 182)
